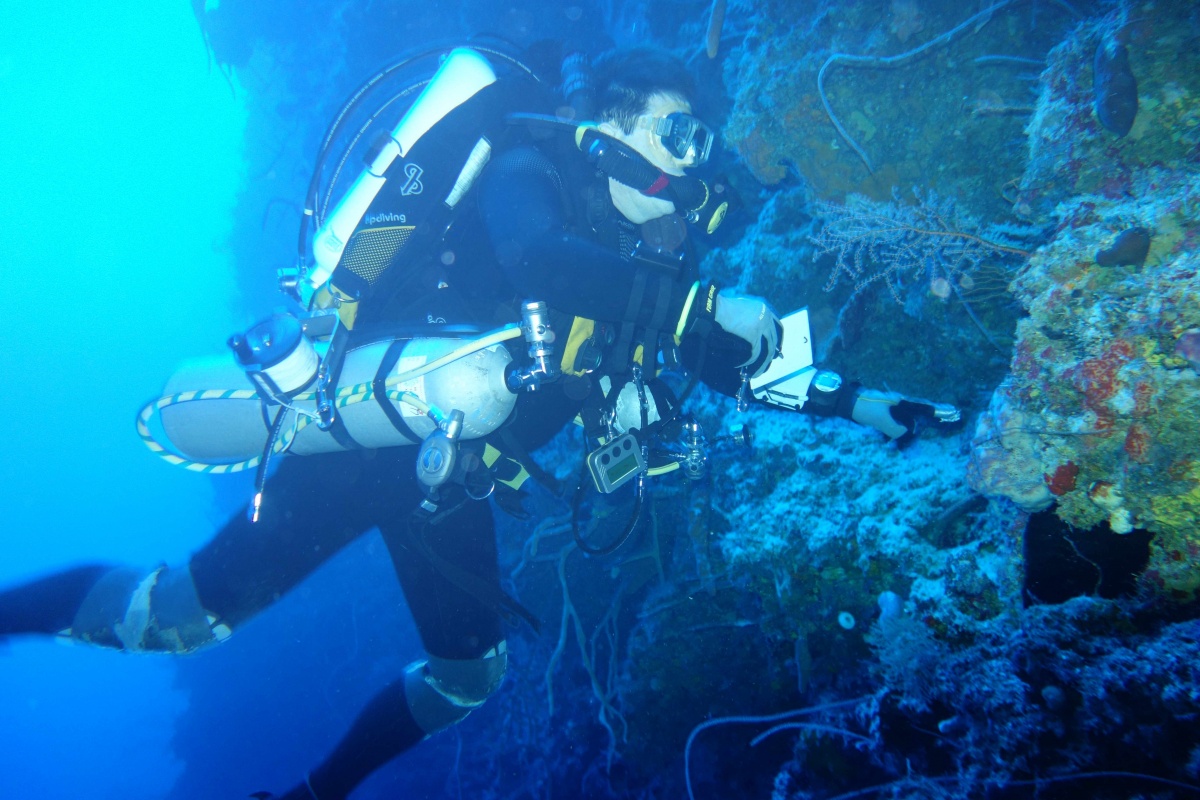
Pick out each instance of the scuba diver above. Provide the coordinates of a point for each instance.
(592, 226)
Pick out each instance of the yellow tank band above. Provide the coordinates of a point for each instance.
(518, 480)
(581, 131)
(322, 298)
(346, 304)
(490, 455)
(329, 296)
(687, 309)
(519, 474)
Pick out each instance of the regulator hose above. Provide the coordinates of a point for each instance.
(630, 525)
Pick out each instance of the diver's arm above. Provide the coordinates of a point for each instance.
(717, 358)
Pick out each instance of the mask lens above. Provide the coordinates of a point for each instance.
(688, 138)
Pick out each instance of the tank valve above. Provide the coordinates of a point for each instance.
(280, 360)
(695, 461)
(535, 325)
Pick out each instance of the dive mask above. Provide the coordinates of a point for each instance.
(685, 137)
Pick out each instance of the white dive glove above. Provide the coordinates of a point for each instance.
(752, 319)
(897, 417)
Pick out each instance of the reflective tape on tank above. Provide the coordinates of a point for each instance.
(220, 630)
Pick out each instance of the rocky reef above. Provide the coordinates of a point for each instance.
(1098, 417)
(907, 120)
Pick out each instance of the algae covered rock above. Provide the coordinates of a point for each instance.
(1088, 135)
(1099, 415)
(1097, 381)
(909, 120)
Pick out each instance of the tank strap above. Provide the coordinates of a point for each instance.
(335, 357)
(581, 332)
(512, 449)
(379, 388)
(625, 331)
(508, 471)
(593, 417)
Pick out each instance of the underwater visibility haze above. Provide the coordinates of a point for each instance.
(979, 576)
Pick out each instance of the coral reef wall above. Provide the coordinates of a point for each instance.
(920, 120)
(1100, 414)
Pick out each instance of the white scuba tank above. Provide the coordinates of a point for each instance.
(459, 78)
(227, 424)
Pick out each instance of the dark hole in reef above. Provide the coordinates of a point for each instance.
(1062, 562)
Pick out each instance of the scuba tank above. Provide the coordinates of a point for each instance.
(436, 385)
(413, 178)
(382, 393)
(393, 392)
(463, 74)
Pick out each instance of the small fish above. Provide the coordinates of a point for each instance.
(1187, 347)
(1115, 88)
(1130, 249)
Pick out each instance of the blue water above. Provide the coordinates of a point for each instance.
(122, 162)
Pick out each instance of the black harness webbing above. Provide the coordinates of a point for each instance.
(623, 346)
(662, 305)
(379, 388)
(335, 357)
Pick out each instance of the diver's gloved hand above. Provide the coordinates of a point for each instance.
(753, 320)
(897, 417)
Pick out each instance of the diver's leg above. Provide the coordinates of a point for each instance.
(321, 505)
(305, 520)
(111, 606)
(463, 635)
(47, 605)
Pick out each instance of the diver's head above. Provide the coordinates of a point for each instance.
(644, 99)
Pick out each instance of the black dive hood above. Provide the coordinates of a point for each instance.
(691, 196)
